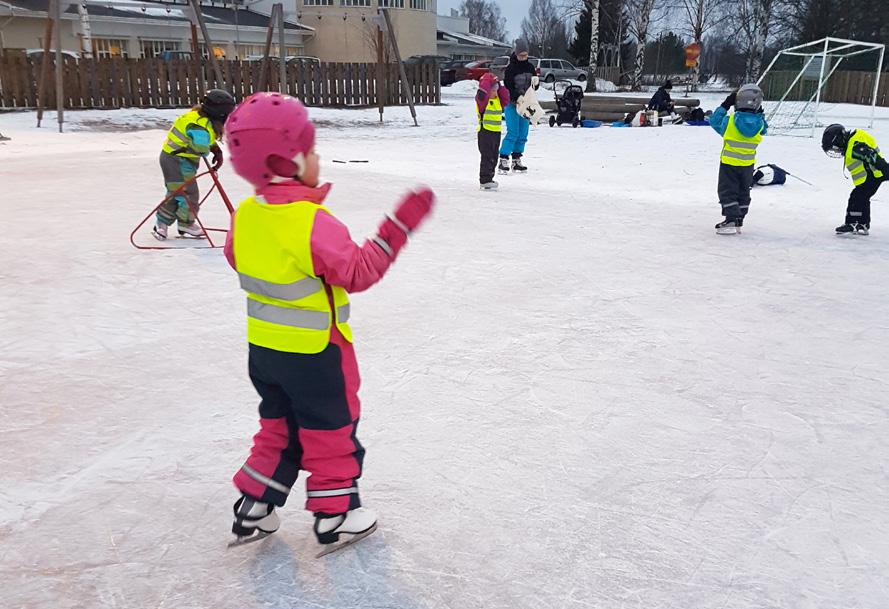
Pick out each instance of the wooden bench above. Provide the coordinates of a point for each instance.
(608, 108)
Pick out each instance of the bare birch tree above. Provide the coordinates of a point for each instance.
(639, 19)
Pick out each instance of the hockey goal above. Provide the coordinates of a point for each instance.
(801, 78)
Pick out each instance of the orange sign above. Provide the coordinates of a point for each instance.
(692, 52)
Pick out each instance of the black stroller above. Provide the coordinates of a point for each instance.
(568, 103)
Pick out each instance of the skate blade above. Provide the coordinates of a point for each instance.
(187, 236)
(728, 231)
(240, 541)
(334, 547)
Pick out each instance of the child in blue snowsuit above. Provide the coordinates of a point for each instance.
(741, 133)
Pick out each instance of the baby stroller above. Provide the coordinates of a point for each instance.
(568, 102)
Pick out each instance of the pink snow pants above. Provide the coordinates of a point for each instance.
(308, 418)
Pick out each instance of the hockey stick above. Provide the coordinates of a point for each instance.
(799, 178)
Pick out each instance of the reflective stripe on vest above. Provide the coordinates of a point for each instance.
(288, 316)
(738, 149)
(178, 143)
(281, 291)
(288, 308)
(492, 119)
(857, 169)
(343, 312)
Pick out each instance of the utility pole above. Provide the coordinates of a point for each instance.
(196, 7)
(405, 85)
(60, 93)
(44, 63)
(282, 60)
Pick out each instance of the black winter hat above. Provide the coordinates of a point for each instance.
(668, 84)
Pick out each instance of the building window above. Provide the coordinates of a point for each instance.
(154, 48)
(317, 2)
(354, 2)
(420, 5)
(218, 52)
(391, 3)
(110, 47)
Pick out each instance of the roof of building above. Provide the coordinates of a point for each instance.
(162, 11)
(470, 39)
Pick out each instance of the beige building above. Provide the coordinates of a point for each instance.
(345, 29)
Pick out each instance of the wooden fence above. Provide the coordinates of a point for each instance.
(154, 83)
(843, 87)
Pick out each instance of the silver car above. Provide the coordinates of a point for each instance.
(551, 70)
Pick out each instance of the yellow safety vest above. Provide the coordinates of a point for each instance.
(492, 119)
(287, 304)
(856, 168)
(179, 143)
(738, 149)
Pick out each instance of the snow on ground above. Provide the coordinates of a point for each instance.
(575, 393)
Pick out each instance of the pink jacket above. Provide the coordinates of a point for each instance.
(486, 92)
(336, 258)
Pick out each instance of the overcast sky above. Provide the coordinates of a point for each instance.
(513, 10)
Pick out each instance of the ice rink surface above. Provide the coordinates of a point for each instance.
(575, 393)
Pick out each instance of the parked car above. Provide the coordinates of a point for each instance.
(453, 71)
(438, 60)
(498, 66)
(306, 59)
(476, 69)
(37, 54)
(551, 70)
(177, 55)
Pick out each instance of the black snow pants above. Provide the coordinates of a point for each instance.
(734, 190)
(489, 147)
(858, 209)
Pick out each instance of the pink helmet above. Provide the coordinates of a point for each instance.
(268, 136)
(488, 79)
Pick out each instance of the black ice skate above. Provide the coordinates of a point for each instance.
(517, 164)
(856, 228)
(353, 526)
(254, 520)
(503, 167)
(492, 185)
(729, 227)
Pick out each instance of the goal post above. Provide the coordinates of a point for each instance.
(794, 82)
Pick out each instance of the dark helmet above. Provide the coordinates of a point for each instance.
(218, 104)
(834, 140)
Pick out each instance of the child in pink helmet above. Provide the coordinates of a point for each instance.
(298, 264)
(490, 100)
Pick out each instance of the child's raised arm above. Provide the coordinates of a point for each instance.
(342, 262)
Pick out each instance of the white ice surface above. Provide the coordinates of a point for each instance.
(575, 393)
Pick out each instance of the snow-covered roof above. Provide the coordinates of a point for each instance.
(147, 10)
(470, 39)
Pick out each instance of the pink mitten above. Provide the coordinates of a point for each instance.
(414, 208)
(410, 212)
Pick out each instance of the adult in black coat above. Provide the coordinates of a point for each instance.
(518, 77)
(661, 100)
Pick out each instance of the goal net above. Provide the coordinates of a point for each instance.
(800, 80)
